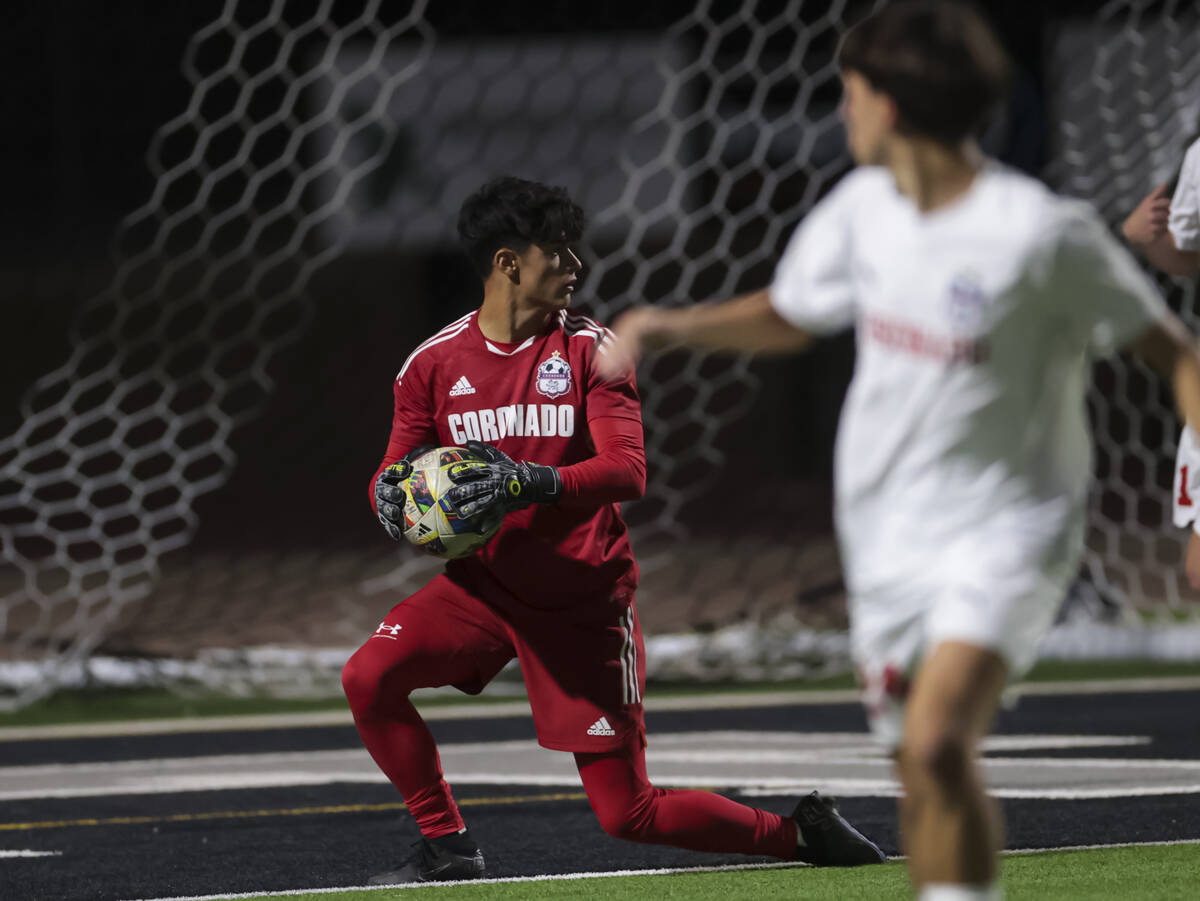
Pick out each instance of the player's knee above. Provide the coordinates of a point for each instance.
(941, 757)
(359, 683)
(621, 826)
(365, 678)
(373, 682)
(625, 820)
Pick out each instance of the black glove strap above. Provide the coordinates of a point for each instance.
(544, 484)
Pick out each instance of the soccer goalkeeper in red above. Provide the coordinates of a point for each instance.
(516, 381)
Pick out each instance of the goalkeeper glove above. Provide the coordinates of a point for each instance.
(389, 492)
(502, 483)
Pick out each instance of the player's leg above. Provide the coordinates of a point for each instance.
(438, 636)
(585, 680)
(629, 807)
(951, 828)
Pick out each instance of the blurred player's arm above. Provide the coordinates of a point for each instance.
(748, 323)
(1172, 350)
(1148, 230)
(811, 294)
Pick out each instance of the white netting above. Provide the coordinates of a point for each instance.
(100, 481)
(321, 137)
(1123, 94)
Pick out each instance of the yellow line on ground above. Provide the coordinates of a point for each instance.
(286, 812)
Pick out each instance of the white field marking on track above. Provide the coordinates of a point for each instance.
(1085, 794)
(4, 853)
(801, 744)
(665, 871)
(848, 764)
(866, 788)
(506, 709)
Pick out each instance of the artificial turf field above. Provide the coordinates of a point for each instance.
(1169, 873)
(230, 812)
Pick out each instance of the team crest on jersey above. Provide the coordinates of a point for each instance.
(554, 376)
(967, 300)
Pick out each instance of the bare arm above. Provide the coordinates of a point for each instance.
(746, 323)
(1163, 254)
(1171, 349)
(1146, 230)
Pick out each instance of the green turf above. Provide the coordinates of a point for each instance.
(106, 705)
(1165, 873)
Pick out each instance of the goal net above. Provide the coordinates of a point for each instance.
(185, 498)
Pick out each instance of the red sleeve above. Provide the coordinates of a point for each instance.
(412, 424)
(618, 471)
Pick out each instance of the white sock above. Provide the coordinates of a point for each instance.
(944, 891)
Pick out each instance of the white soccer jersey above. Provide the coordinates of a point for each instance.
(1184, 221)
(963, 456)
(1187, 479)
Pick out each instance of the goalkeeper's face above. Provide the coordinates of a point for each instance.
(548, 273)
(869, 116)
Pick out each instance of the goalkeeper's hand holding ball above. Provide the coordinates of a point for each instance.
(503, 483)
(389, 492)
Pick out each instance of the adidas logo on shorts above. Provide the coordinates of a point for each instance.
(461, 387)
(601, 727)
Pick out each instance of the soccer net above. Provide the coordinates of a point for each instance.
(1122, 100)
(178, 504)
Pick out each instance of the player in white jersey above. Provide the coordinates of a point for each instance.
(962, 457)
(1165, 229)
(1186, 500)
(1165, 226)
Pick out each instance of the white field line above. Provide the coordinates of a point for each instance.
(504, 709)
(4, 854)
(812, 761)
(842, 787)
(561, 877)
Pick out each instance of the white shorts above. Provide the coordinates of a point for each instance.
(892, 629)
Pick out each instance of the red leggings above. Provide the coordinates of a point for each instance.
(617, 787)
(629, 807)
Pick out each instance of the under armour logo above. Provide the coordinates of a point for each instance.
(385, 628)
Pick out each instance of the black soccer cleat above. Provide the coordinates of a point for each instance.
(829, 840)
(434, 861)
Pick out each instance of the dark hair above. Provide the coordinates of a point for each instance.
(512, 212)
(939, 61)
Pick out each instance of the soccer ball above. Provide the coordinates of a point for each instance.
(432, 524)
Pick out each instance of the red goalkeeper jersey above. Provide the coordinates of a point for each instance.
(540, 400)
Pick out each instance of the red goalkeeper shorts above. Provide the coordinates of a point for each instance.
(584, 668)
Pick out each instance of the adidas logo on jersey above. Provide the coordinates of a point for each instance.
(461, 387)
(601, 727)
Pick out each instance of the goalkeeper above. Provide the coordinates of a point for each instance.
(517, 381)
